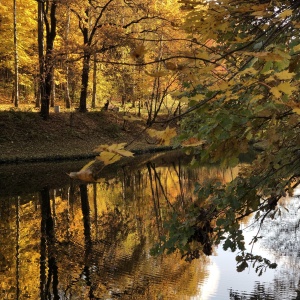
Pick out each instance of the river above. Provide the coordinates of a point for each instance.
(66, 239)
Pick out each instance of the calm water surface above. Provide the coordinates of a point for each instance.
(64, 239)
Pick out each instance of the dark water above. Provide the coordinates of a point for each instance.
(65, 239)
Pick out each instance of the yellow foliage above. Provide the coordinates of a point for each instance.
(164, 136)
(112, 153)
(296, 110)
(108, 157)
(275, 91)
(285, 75)
(284, 87)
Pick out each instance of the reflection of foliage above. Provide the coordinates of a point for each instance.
(191, 234)
(115, 225)
(259, 263)
(248, 98)
(214, 218)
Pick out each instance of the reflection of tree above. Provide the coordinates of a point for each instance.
(47, 249)
(155, 199)
(99, 244)
(85, 207)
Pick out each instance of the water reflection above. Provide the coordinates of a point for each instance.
(69, 240)
(92, 241)
(280, 241)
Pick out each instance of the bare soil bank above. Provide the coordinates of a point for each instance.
(25, 137)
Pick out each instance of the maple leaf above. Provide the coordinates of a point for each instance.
(164, 136)
(286, 88)
(108, 157)
(112, 153)
(285, 75)
(275, 91)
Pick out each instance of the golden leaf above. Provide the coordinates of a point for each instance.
(286, 88)
(296, 110)
(119, 149)
(164, 136)
(108, 157)
(285, 75)
(112, 153)
(275, 91)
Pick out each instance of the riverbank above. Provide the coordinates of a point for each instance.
(25, 137)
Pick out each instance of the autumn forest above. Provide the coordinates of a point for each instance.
(83, 55)
(226, 73)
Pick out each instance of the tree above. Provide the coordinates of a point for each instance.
(243, 92)
(20, 44)
(90, 14)
(47, 11)
(102, 32)
(16, 58)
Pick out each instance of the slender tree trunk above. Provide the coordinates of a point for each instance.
(94, 95)
(67, 91)
(18, 290)
(16, 85)
(37, 93)
(41, 85)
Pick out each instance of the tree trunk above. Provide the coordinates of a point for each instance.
(48, 67)
(67, 91)
(52, 96)
(94, 95)
(41, 86)
(16, 85)
(85, 68)
(84, 81)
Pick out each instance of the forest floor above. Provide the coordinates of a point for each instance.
(25, 137)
